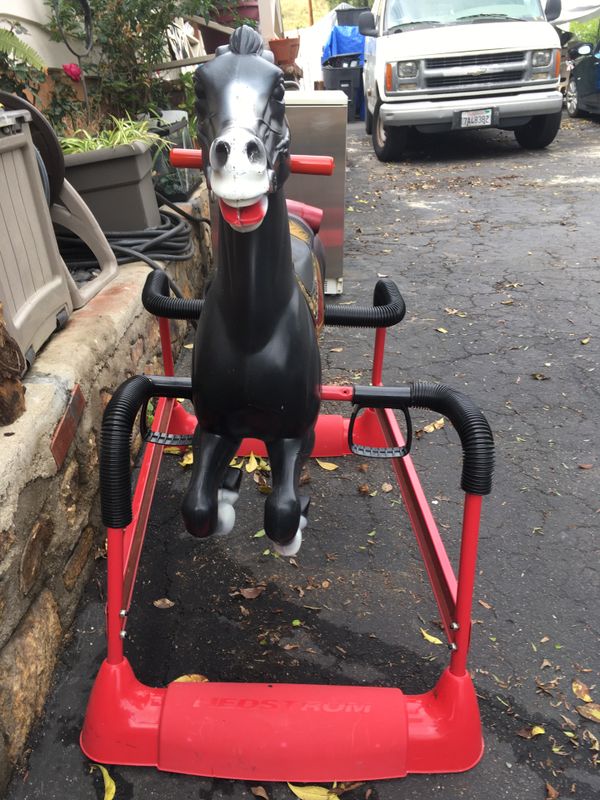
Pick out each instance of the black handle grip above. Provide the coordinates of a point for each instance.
(115, 440)
(470, 423)
(157, 300)
(388, 309)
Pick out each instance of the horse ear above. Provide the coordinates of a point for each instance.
(246, 41)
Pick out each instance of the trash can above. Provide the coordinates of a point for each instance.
(344, 72)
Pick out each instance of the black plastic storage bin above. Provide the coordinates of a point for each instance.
(344, 72)
(349, 16)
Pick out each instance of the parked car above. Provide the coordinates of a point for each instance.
(439, 65)
(583, 88)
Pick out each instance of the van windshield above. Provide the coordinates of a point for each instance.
(404, 14)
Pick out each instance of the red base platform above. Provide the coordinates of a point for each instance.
(282, 732)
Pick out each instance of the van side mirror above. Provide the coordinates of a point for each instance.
(580, 49)
(553, 9)
(366, 24)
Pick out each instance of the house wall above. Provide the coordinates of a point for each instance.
(33, 15)
(50, 530)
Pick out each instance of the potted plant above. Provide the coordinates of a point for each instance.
(112, 171)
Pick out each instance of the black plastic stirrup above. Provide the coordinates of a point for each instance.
(158, 437)
(379, 452)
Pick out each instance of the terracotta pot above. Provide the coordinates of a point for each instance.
(247, 10)
(285, 51)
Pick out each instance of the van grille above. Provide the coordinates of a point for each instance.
(475, 60)
(471, 80)
(454, 73)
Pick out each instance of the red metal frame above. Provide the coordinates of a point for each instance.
(305, 732)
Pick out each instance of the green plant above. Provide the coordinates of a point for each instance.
(189, 103)
(65, 109)
(21, 68)
(129, 38)
(123, 131)
(586, 31)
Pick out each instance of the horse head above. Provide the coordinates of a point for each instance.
(242, 128)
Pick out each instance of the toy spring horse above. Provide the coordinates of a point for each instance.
(256, 371)
(256, 368)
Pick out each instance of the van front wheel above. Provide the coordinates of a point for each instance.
(389, 142)
(539, 131)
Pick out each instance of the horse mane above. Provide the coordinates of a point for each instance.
(246, 41)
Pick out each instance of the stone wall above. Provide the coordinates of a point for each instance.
(50, 529)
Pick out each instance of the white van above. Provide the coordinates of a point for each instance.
(440, 65)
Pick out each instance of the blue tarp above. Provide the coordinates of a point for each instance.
(344, 39)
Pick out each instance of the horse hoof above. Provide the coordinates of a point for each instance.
(291, 548)
(226, 514)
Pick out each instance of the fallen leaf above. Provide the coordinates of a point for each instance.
(259, 534)
(581, 691)
(435, 426)
(594, 743)
(347, 787)
(363, 467)
(189, 346)
(187, 459)
(244, 611)
(259, 791)
(586, 340)
(387, 487)
(312, 792)
(236, 463)
(252, 463)
(585, 466)
(191, 678)
(172, 451)
(336, 350)
(454, 312)
(163, 602)
(539, 376)
(364, 488)
(109, 784)
(530, 733)
(591, 711)
(441, 330)
(508, 302)
(252, 592)
(568, 722)
(545, 663)
(551, 793)
(296, 623)
(484, 604)
(327, 465)
(429, 638)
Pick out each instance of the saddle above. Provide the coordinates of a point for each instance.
(308, 259)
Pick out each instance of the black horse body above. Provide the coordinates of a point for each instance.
(256, 366)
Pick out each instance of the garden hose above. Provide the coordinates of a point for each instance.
(170, 241)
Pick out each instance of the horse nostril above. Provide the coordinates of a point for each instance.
(221, 154)
(254, 152)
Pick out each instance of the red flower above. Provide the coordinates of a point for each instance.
(73, 71)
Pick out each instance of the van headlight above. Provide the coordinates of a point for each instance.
(541, 59)
(408, 69)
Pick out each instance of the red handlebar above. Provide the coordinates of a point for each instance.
(304, 165)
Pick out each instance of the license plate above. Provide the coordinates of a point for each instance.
(476, 119)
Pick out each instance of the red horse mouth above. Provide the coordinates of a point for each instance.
(246, 216)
